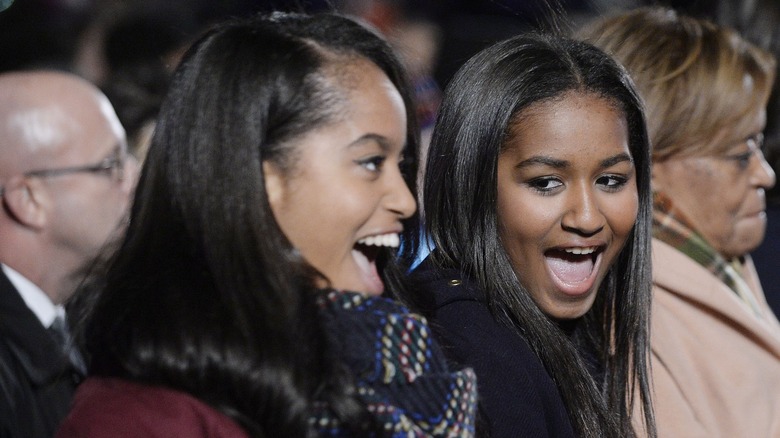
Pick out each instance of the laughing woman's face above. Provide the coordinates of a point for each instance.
(345, 197)
(567, 199)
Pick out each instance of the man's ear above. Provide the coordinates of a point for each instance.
(274, 184)
(25, 200)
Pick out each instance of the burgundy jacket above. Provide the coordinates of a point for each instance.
(107, 407)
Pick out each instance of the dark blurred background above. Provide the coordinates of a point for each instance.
(71, 33)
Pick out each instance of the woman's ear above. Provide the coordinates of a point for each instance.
(25, 200)
(274, 184)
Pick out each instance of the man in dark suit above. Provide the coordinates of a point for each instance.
(65, 181)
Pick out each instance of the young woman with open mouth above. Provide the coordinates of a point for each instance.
(245, 298)
(537, 205)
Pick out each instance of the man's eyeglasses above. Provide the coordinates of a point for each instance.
(113, 166)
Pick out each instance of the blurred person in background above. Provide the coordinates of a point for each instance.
(759, 22)
(65, 183)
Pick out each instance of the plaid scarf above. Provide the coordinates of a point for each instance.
(672, 227)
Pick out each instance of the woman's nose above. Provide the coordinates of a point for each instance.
(583, 214)
(400, 199)
(763, 175)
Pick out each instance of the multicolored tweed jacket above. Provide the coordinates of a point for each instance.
(400, 371)
(673, 228)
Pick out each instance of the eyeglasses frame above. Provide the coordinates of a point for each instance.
(115, 162)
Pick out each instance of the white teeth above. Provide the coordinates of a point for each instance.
(580, 251)
(391, 239)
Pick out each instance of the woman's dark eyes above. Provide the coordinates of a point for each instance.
(550, 184)
(743, 159)
(372, 164)
(755, 143)
(545, 184)
(612, 182)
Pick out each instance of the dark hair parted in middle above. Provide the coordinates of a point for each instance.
(481, 106)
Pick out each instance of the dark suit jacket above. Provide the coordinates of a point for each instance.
(517, 397)
(36, 379)
(767, 258)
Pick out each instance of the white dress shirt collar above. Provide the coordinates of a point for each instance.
(34, 297)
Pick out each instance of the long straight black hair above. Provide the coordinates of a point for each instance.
(460, 217)
(205, 294)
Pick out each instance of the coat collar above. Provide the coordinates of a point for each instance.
(679, 275)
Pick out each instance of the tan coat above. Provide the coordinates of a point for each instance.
(716, 366)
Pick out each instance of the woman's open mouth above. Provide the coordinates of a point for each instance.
(365, 253)
(574, 270)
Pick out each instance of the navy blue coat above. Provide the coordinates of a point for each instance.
(517, 397)
(767, 258)
(37, 381)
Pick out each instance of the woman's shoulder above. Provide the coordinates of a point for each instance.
(439, 287)
(457, 308)
(468, 332)
(518, 397)
(110, 407)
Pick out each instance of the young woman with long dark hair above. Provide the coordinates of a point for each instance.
(537, 205)
(279, 177)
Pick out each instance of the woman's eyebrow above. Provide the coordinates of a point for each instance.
(380, 140)
(562, 164)
(615, 159)
(544, 161)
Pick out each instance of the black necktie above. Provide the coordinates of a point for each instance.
(59, 329)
